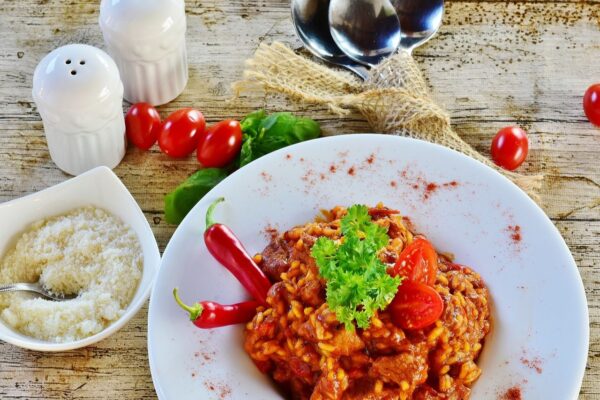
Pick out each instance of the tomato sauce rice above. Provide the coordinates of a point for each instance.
(299, 342)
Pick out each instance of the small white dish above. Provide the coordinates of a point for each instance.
(99, 187)
(540, 334)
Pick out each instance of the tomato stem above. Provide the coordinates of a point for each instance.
(195, 310)
(209, 213)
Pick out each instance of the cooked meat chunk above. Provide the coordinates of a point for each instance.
(276, 259)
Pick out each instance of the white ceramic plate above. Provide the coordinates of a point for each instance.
(540, 336)
(99, 187)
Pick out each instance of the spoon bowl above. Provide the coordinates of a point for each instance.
(310, 18)
(366, 30)
(419, 21)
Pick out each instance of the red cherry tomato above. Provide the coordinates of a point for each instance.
(181, 131)
(591, 104)
(416, 306)
(220, 144)
(510, 147)
(418, 262)
(142, 124)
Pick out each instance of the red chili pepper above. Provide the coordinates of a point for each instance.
(208, 314)
(229, 251)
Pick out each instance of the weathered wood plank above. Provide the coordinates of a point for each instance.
(492, 64)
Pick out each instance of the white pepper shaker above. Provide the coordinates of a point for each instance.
(79, 95)
(146, 38)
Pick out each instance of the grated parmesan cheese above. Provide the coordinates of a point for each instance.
(86, 251)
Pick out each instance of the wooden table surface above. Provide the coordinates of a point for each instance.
(492, 64)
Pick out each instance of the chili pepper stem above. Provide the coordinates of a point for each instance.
(195, 310)
(209, 213)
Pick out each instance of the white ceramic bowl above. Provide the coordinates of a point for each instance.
(99, 187)
(540, 316)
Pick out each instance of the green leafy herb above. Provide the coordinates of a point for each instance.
(264, 133)
(357, 281)
(181, 200)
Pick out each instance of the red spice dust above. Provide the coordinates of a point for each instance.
(432, 187)
(306, 177)
(352, 171)
(270, 232)
(429, 189)
(371, 159)
(515, 233)
(332, 168)
(205, 356)
(418, 182)
(514, 393)
(393, 184)
(322, 177)
(534, 363)
(301, 159)
(266, 177)
(222, 390)
(288, 156)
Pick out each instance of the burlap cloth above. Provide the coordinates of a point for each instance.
(394, 99)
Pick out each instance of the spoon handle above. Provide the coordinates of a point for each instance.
(15, 287)
(360, 70)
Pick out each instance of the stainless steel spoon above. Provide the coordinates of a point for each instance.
(419, 21)
(36, 288)
(310, 17)
(366, 30)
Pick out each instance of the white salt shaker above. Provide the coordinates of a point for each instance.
(146, 38)
(79, 94)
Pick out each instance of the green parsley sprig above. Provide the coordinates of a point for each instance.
(357, 281)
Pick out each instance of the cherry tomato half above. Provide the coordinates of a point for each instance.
(142, 124)
(591, 104)
(510, 147)
(418, 262)
(416, 306)
(220, 144)
(181, 131)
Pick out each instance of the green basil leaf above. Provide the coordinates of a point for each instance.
(185, 196)
(251, 123)
(265, 134)
(305, 129)
(279, 124)
(247, 152)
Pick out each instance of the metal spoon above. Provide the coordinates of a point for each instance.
(419, 21)
(366, 30)
(36, 288)
(310, 18)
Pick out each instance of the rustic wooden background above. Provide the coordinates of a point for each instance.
(492, 64)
